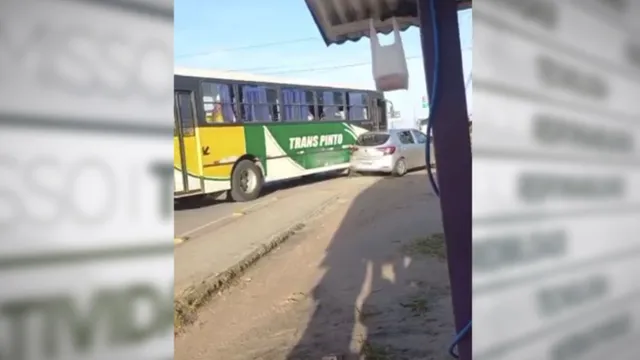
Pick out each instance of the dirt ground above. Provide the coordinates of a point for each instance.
(367, 280)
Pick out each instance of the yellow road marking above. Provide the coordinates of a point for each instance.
(179, 240)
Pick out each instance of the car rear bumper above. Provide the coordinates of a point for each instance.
(384, 164)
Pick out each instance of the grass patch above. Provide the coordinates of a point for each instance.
(419, 306)
(432, 246)
(370, 351)
(366, 312)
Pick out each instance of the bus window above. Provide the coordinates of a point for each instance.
(217, 100)
(259, 103)
(310, 102)
(331, 105)
(274, 104)
(185, 112)
(175, 129)
(357, 105)
(380, 111)
(298, 105)
(340, 99)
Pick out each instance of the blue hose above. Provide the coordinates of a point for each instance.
(432, 97)
(458, 338)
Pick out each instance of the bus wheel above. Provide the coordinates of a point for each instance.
(246, 181)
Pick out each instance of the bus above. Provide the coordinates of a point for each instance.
(236, 132)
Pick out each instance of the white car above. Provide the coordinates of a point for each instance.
(394, 151)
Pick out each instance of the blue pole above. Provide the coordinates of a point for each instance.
(450, 125)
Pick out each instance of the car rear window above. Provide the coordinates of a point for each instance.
(372, 139)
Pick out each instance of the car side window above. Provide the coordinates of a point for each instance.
(420, 137)
(405, 137)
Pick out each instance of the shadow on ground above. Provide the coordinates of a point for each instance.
(385, 292)
(197, 202)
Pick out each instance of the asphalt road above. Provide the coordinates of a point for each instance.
(192, 218)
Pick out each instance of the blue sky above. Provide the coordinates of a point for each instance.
(279, 38)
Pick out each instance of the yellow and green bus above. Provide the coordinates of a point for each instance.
(235, 132)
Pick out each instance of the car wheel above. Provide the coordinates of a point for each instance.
(353, 173)
(400, 168)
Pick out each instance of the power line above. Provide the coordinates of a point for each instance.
(279, 69)
(259, 46)
(329, 68)
(248, 47)
(273, 67)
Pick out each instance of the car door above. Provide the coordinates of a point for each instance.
(421, 147)
(408, 148)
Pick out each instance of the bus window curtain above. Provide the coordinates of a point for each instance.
(227, 103)
(255, 103)
(293, 100)
(288, 98)
(302, 110)
(329, 108)
(263, 113)
(356, 109)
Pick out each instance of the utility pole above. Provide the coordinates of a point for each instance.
(416, 121)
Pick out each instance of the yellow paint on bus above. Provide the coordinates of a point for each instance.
(225, 145)
(219, 148)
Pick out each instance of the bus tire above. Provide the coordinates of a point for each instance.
(246, 181)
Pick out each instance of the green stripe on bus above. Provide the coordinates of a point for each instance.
(314, 144)
(254, 143)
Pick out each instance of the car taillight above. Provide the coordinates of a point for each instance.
(387, 150)
(353, 148)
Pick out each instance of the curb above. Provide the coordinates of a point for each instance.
(189, 301)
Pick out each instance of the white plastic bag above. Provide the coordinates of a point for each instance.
(389, 64)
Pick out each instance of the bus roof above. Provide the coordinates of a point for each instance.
(238, 76)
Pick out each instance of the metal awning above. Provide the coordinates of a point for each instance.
(340, 21)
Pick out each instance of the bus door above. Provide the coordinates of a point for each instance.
(186, 179)
(378, 110)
